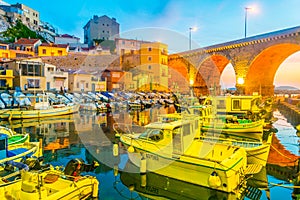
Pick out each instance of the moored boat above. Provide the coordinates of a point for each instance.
(18, 150)
(170, 148)
(257, 151)
(24, 113)
(53, 183)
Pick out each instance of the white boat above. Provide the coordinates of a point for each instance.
(40, 108)
(170, 148)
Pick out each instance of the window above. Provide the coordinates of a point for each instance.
(59, 52)
(221, 104)
(44, 51)
(149, 49)
(87, 85)
(77, 85)
(149, 67)
(33, 83)
(236, 104)
(149, 58)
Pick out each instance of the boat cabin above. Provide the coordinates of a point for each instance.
(237, 105)
(176, 131)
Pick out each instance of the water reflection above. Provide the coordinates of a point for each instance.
(90, 136)
(152, 186)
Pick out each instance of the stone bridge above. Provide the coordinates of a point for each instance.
(255, 61)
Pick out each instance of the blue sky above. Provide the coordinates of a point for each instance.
(217, 21)
(167, 21)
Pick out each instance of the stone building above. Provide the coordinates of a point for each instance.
(100, 29)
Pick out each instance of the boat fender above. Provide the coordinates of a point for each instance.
(130, 149)
(143, 166)
(115, 150)
(214, 180)
(143, 180)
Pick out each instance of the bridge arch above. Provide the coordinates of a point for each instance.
(209, 73)
(260, 76)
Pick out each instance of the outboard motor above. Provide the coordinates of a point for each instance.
(76, 166)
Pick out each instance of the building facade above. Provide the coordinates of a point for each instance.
(100, 28)
(29, 74)
(80, 81)
(66, 39)
(51, 49)
(56, 80)
(4, 52)
(31, 16)
(152, 74)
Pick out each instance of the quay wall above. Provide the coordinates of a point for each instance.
(290, 111)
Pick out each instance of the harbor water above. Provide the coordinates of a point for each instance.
(90, 136)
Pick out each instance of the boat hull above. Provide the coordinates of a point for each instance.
(25, 114)
(61, 188)
(196, 170)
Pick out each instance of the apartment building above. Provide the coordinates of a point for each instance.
(29, 74)
(100, 29)
(31, 16)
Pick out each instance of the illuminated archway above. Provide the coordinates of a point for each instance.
(260, 77)
(209, 73)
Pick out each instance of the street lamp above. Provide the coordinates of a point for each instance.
(246, 12)
(190, 36)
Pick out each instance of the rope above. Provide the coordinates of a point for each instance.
(285, 186)
(281, 153)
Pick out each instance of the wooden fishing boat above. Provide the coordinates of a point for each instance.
(52, 183)
(23, 113)
(5, 130)
(18, 139)
(225, 124)
(170, 148)
(18, 150)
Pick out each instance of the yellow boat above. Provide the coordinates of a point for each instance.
(169, 148)
(23, 113)
(257, 151)
(17, 151)
(50, 183)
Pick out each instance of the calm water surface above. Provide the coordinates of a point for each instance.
(90, 136)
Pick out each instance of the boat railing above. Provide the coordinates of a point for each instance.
(245, 144)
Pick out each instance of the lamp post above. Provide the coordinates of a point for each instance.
(190, 36)
(246, 12)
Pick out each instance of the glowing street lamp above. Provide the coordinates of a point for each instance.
(190, 36)
(240, 81)
(191, 87)
(246, 12)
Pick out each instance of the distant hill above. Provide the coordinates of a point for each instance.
(286, 88)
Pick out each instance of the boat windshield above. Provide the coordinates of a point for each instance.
(152, 134)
